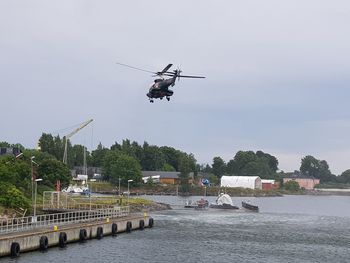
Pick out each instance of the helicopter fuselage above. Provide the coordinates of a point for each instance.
(160, 89)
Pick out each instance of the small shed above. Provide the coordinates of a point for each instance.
(252, 182)
(269, 184)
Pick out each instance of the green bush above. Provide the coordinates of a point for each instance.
(291, 186)
(12, 197)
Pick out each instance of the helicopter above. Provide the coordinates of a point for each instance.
(160, 88)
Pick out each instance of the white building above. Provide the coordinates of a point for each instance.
(252, 182)
(154, 178)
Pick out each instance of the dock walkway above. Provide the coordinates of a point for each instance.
(12, 243)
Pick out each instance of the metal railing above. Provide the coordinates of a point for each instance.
(8, 225)
(65, 201)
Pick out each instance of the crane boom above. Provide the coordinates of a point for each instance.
(81, 126)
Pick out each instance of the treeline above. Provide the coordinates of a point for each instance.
(164, 158)
(311, 166)
(266, 166)
(17, 174)
(245, 163)
(125, 160)
(122, 161)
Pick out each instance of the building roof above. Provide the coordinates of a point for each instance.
(239, 181)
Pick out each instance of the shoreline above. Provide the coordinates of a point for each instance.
(237, 192)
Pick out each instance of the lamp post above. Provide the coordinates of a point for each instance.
(119, 186)
(32, 177)
(128, 189)
(36, 187)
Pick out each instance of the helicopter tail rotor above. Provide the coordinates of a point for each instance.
(177, 72)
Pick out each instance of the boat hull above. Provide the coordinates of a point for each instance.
(250, 207)
(223, 206)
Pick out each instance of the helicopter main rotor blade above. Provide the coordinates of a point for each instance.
(168, 74)
(125, 65)
(193, 77)
(165, 69)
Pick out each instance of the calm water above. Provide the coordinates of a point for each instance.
(287, 229)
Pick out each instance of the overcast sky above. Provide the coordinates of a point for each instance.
(277, 75)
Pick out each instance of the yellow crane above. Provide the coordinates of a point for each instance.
(68, 136)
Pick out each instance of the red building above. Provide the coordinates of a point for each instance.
(269, 184)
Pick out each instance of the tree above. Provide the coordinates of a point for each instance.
(231, 167)
(316, 168)
(47, 144)
(153, 158)
(345, 177)
(207, 169)
(137, 151)
(168, 168)
(52, 170)
(250, 163)
(5, 144)
(126, 168)
(98, 155)
(76, 155)
(291, 186)
(59, 146)
(109, 158)
(119, 165)
(270, 160)
(116, 146)
(218, 166)
(55, 147)
(171, 156)
(257, 168)
(185, 167)
(10, 196)
(16, 172)
(242, 158)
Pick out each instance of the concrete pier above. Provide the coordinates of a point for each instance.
(33, 239)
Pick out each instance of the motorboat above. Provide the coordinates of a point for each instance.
(200, 204)
(250, 206)
(223, 201)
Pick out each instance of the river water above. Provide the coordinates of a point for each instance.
(287, 229)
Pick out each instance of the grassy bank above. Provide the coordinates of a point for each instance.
(157, 189)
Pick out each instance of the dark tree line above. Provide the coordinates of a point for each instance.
(122, 160)
(245, 163)
(148, 157)
(54, 145)
(320, 169)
